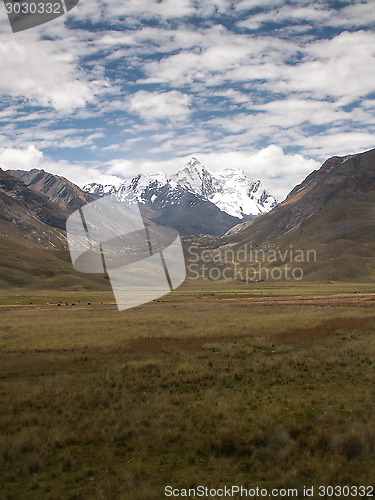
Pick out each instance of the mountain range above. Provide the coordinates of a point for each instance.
(332, 211)
(231, 191)
(194, 201)
(34, 206)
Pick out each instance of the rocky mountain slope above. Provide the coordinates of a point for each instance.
(29, 216)
(332, 211)
(61, 191)
(33, 247)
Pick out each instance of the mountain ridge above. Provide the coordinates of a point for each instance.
(58, 189)
(29, 216)
(160, 200)
(231, 191)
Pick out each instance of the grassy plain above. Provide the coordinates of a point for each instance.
(267, 385)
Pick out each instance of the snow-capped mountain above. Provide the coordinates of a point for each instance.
(156, 189)
(99, 189)
(231, 191)
(238, 196)
(196, 178)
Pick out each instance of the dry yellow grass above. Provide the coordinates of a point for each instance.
(202, 387)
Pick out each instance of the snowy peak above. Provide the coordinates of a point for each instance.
(231, 191)
(144, 181)
(238, 196)
(99, 189)
(195, 178)
(193, 162)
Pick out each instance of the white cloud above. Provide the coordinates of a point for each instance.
(151, 106)
(292, 13)
(293, 112)
(20, 159)
(288, 122)
(43, 67)
(42, 137)
(29, 158)
(338, 143)
(253, 4)
(358, 14)
(222, 57)
(45, 74)
(96, 10)
(279, 172)
(343, 67)
(80, 174)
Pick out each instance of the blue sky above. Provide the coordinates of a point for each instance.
(116, 88)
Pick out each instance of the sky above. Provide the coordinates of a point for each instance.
(113, 89)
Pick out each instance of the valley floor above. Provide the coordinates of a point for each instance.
(217, 384)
